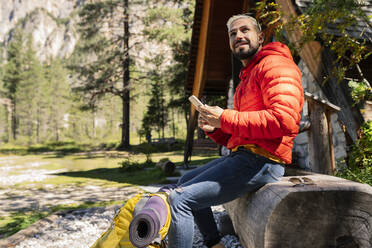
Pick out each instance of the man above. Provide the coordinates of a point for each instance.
(259, 131)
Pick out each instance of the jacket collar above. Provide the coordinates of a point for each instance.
(273, 48)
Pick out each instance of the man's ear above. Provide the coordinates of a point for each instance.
(261, 37)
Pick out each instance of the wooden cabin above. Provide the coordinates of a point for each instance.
(212, 68)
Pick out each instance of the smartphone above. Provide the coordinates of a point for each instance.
(194, 100)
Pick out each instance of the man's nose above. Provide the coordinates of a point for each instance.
(239, 35)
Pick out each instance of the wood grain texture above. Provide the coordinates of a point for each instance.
(319, 147)
(332, 213)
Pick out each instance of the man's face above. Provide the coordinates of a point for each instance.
(245, 39)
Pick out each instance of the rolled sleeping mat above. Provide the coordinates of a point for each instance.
(147, 222)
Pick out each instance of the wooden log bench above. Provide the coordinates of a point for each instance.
(332, 212)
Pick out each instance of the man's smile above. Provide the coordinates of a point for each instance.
(241, 43)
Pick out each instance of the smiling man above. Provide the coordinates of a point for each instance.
(259, 131)
(243, 42)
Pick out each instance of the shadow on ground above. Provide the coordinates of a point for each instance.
(140, 177)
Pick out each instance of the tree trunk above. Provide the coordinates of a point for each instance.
(333, 212)
(8, 113)
(13, 121)
(57, 128)
(38, 125)
(30, 128)
(94, 123)
(173, 122)
(126, 78)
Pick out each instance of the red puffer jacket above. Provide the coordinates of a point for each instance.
(267, 104)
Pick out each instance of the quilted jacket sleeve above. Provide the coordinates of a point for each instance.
(282, 93)
(219, 136)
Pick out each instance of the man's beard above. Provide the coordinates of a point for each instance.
(241, 55)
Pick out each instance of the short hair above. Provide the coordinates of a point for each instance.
(241, 16)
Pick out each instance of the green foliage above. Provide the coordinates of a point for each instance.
(102, 60)
(156, 113)
(148, 150)
(156, 148)
(173, 25)
(58, 91)
(361, 154)
(30, 96)
(360, 91)
(59, 21)
(128, 165)
(19, 221)
(166, 24)
(360, 160)
(12, 74)
(38, 93)
(330, 22)
(60, 147)
(361, 175)
(178, 76)
(49, 99)
(343, 16)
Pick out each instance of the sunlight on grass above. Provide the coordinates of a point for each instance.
(18, 221)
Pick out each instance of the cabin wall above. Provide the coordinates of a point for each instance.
(300, 148)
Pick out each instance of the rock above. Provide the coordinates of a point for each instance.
(167, 167)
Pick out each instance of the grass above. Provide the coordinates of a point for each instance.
(71, 147)
(18, 221)
(58, 147)
(99, 168)
(106, 176)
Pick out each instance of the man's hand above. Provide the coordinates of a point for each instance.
(203, 124)
(211, 115)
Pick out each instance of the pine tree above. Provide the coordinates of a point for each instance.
(173, 25)
(58, 96)
(12, 77)
(28, 92)
(4, 102)
(156, 113)
(105, 34)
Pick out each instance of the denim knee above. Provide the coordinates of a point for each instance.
(177, 202)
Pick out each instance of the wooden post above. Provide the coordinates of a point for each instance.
(319, 149)
(199, 79)
(330, 141)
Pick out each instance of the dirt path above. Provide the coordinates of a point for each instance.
(36, 197)
(12, 200)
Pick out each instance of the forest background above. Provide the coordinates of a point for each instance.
(127, 69)
(117, 73)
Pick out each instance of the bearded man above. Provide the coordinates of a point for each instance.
(259, 131)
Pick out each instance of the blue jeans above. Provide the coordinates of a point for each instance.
(217, 182)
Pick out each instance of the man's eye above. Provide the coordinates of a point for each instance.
(232, 34)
